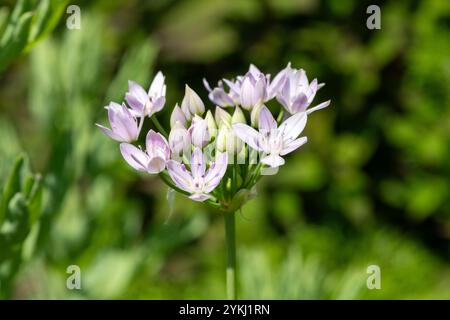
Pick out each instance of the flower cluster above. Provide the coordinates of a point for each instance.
(216, 156)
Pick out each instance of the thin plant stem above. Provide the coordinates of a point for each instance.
(141, 123)
(159, 126)
(280, 116)
(230, 237)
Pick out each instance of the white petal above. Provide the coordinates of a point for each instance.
(247, 134)
(177, 116)
(216, 172)
(293, 126)
(137, 91)
(157, 86)
(198, 164)
(134, 156)
(157, 104)
(206, 84)
(273, 160)
(199, 132)
(156, 165)
(277, 83)
(259, 91)
(233, 86)
(180, 175)
(247, 94)
(111, 133)
(303, 79)
(255, 72)
(199, 197)
(318, 107)
(293, 145)
(284, 96)
(157, 145)
(267, 122)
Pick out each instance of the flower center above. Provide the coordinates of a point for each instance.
(198, 184)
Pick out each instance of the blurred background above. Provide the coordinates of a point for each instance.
(371, 187)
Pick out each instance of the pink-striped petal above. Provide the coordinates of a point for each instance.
(135, 157)
(180, 175)
(111, 133)
(157, 87)
(156, 165)
(157, 145)
(273, 160)
(199, 197)
(318, 107)
(267, 122)
(247, 134)
(293, 145)
(198, 164)
(293, 126)
(216, 172)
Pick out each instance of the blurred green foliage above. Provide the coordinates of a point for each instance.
(370, 187)
(28, 22)
(20, 207)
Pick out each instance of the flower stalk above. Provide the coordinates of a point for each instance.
(230, 238)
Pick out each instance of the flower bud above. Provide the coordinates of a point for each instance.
(254, 115)
(222, 117)
(253, 90)
(212, 126)
(221, 140)
(179, 139)
(177, 116)
(227, 141)
(192, 104)
(238, 116)
(199, 132)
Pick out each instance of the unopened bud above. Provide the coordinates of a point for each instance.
(222, 117)
(177, 116)
(238, 116)
(212, 126)
(192, 104)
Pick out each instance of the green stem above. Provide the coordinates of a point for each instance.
(280, 116)
(159, 126)
(230, 236)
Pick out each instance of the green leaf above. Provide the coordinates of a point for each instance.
(47, 16)
(12, 186)
(18, 40)
(27, 24)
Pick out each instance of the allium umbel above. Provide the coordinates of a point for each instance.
(217, 156)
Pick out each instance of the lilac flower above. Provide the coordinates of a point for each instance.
(272, 87)
(143, 103)
(296, 93)
(124, 127)
(253, 90)
(272, 140)
(220, 97)
(249, 90)
(155, 157)
(199, 182)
